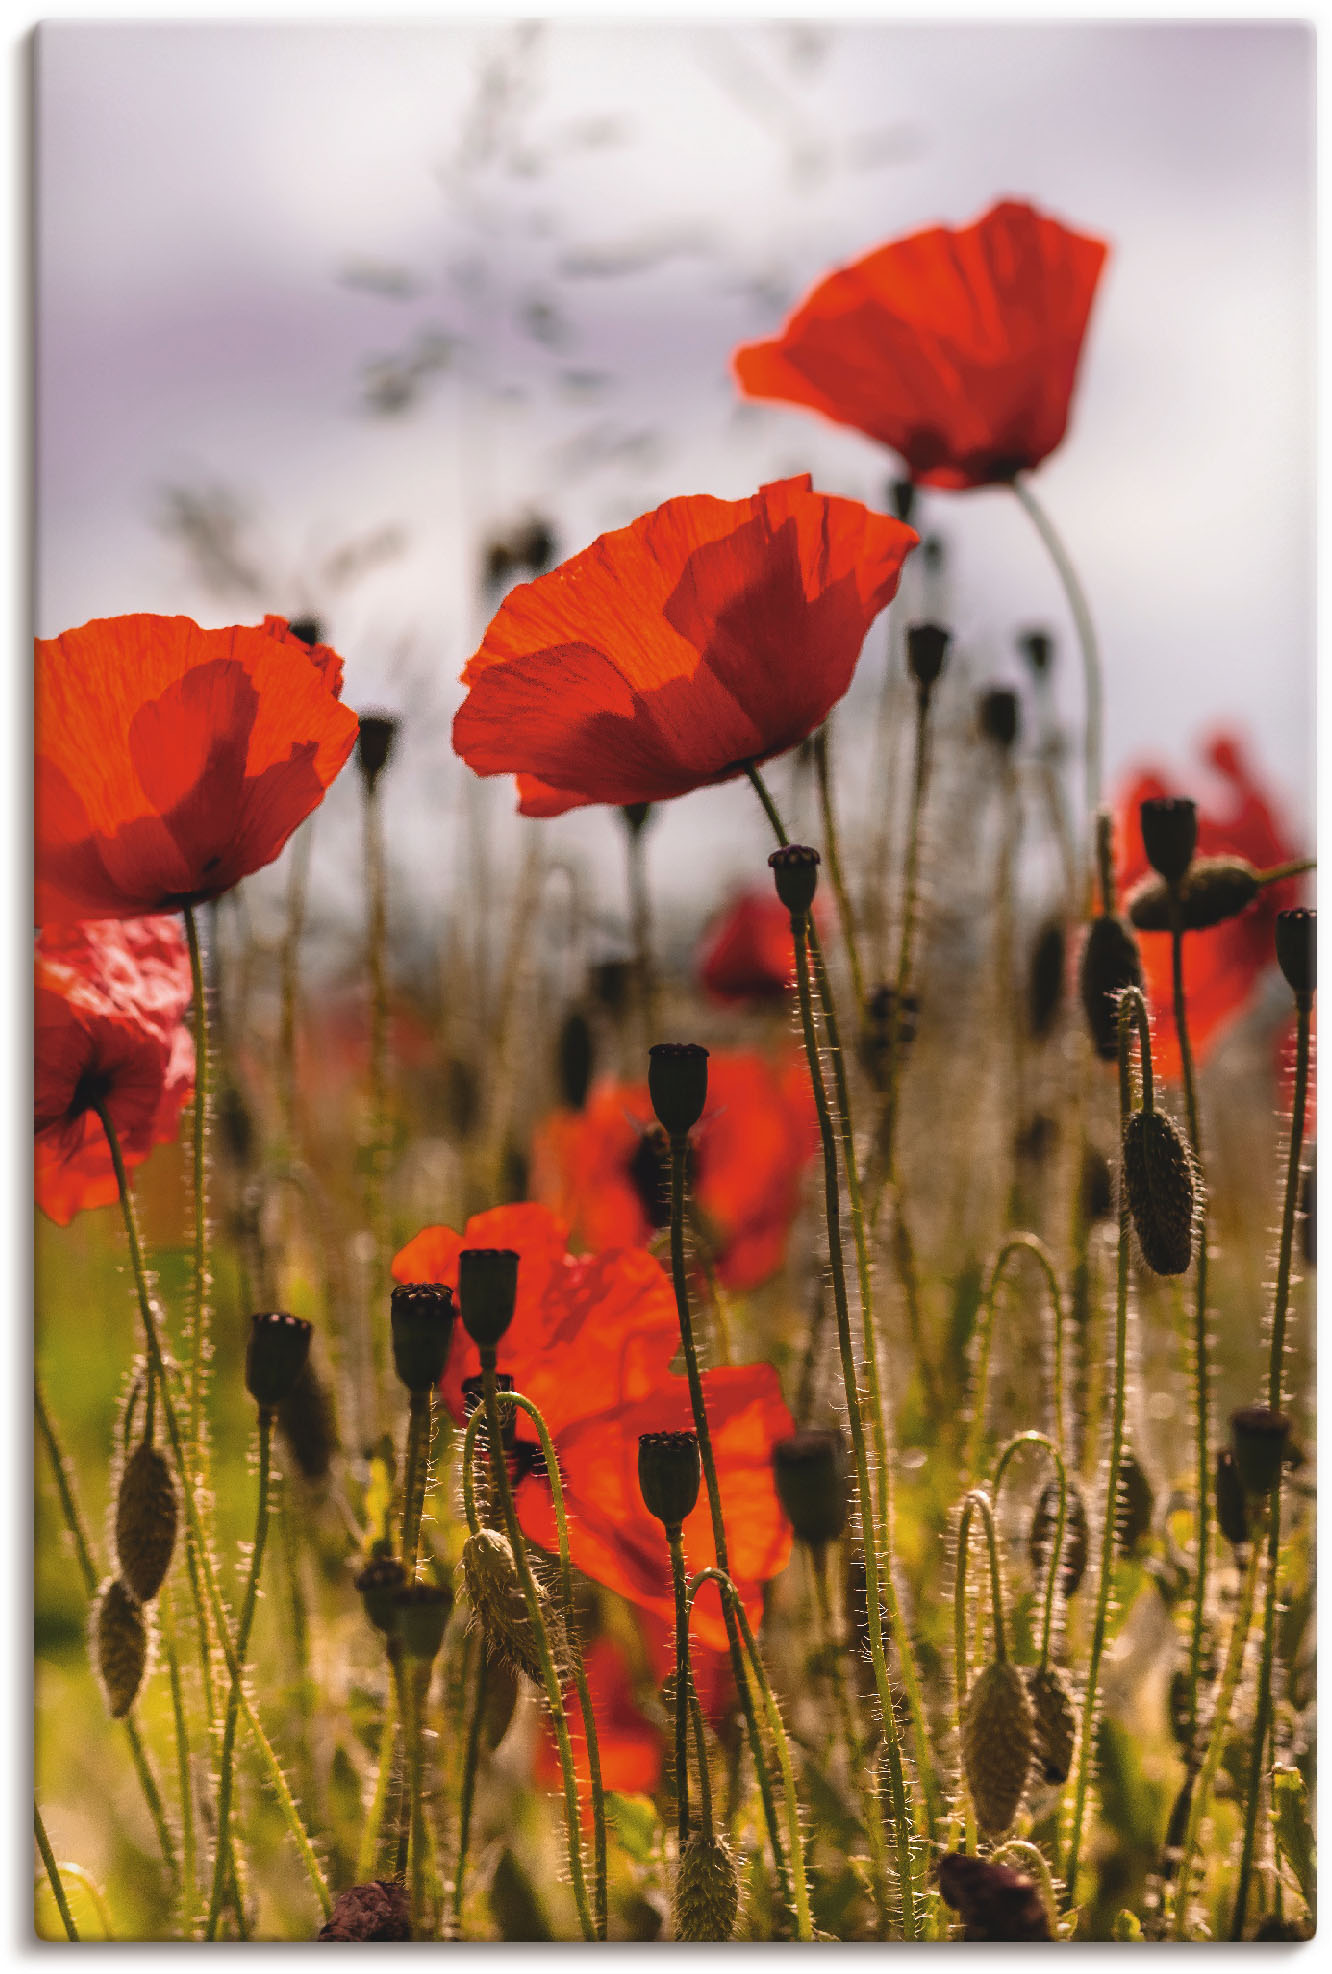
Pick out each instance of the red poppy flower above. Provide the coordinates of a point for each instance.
(591, 1343)
(747, 953)
(604, 1168)
(630, 1745)
(173, 761)
(706, 634)
(1222, 966)
(108, 1004)
(957, 348)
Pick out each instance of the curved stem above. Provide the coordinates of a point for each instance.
(1016, 1244)
(1056, 1555)
(1086, 630)
(197, 1475)
(845, 912)
(1035, 1859)
(1201, 1373)
(53, 1875)
(682, 1682)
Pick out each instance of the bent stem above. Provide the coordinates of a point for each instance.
(1080, 612)
(1016, 1244)
(53, 1875)
(1002, 1465)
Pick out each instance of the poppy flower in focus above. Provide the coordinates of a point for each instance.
(956, 347)
(706, 634)
(109, 999)
(1222, 966)
(747, 953)
(173, 761)
(606, 1170)
(591, 1342)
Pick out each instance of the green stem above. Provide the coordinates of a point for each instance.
(701, 1761)
(195, 1476)
(420, 1420)
(906, 946)
(188, 1890)
(297, 885)
(682, 1682)
(1016, 1244)
(845, 912)
(869, 1811)
(1056, 1554)
(53, 1875)
(417, 1687)
(368, 1853)
(641, 916)
(1276, 1365)
(243, 1629)
(1201, 1374)
(467, 1790)
(1086, 630)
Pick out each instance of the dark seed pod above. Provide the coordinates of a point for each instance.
(1260, 1439)
(120, 1639)
(421, 1326)
(1169, 834)
(1135, 1501)
(1297, 950)
(1077, 1543)
(1158, 1174)
(1110, 963)
(1037, 647)
(795, 872)
(495, 1591)
(378, 1911)
(309, 630)
(811, 1473)
(374, 745)
(995, 1901)
(488, 1292)
(574, 1058)
(610, 985)
(706, 1899)
(275, 1356)
(902, 499)
(1056, 1722)
(998, 1739)
(668, 1475)
(1216, 888)
(147, 1513)
(1232, 1516)
(420, 1615)
(678, 1085)
(997, 712)
(927, 647)
(379, 1584)
(1045, 979)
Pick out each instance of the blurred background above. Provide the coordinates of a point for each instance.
(347, 320)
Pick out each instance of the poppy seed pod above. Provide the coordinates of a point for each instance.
(1158, 1175)
(810, 1469)
(487, 1291)
(678, 1085)
(1037, 647)
(420, 1614)
(379, 1583)
(1110, 963)
(120, 1641)
(706, 1897)
(1297, 950)
(669, 1471)
(795, 871)
(1231, 1514)
(573, 1056)
(146, 1517)
(308, 629)
(998, 1738)
(374, 745)
(1077, 1537)
(995, 1901)
(275, 1356)
(421, 1319)
(926, 649)
(1169, 834)
(1212, 890)
(1056, 1721)
(1260, 1440)
(902, 499)
(997, 712)
(1045, 978)
(381, 1910)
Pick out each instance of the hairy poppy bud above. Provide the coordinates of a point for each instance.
(421, 1319)
(1110, 963)
(146, 1515)
(997, 711)
(1135, 1503)
(495, 1591)
(379, 1583)
(678, 1085)
(1231, 1514)
(1056, 1722)
(1169, 834)
(995, 1901)
(1212, 890)
(374, 745)
(902, 499)
(378, 1911)
(1260, 1439)
(810, 1470)
(1297, 950)
(998, 1738)
(487, 1290)
(668, 1475)
(795, 871)
(120, 1639)
(927, 648)
(1044, 1521)
(275, 1356)
(1037, 647)
(1158, 1173)
(573, 1055)
(706, 1898)
(420, 1614)
(1045, 979)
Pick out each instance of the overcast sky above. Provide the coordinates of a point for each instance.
(235, 220)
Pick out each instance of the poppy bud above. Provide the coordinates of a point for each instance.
(795, 870)
(1045, 978)
(374, 745)
(1231, 1515)
(1169, 834)
(308, 629)
(1037, 647)
(706, 1898)
(902, 499)
(420, 1614)
(487, 1290)
(1297, 950)
(495, 1591)
(473, 1394)
(1110, 963)
(997, 711)
(1260, 1439)
(275, 1356)
(378, 1911)
(1056, 1722)
(610, 984)
(668, 1475)
(927, 648)
(998, 1739)
(995, 1901)
(379, 1583)
(120, 1639)
(1212, 890)
(1077, 1542)
(1158, 1175)
(678, 1085)
(421, 1319)
(811, 1474)
(573, 1054)
(146, 1517)
(1134, 1503)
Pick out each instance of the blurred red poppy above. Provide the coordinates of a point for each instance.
(108, 1004)
(956, 347)
(629, 1744)
(706, 634)
(1222, 967)
(605, 1169)
(747, 953)
(591, 1342)
(173, 761)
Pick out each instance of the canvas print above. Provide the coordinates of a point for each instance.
(675, 982)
